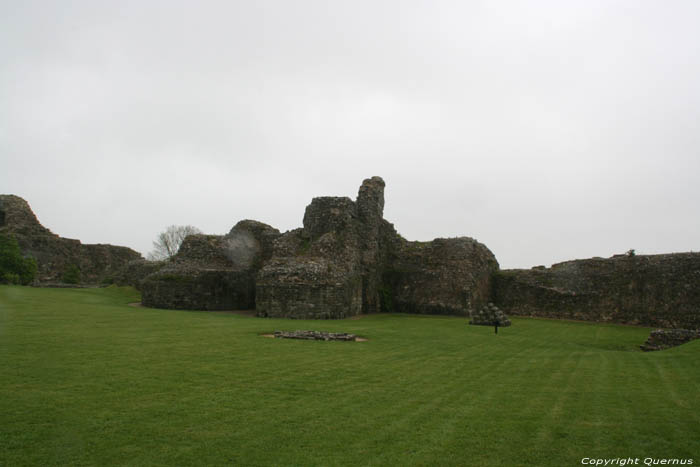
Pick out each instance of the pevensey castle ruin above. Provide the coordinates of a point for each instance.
(347, 259)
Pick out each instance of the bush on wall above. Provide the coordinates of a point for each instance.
(72, 275)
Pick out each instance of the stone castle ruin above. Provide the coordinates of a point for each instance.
(346, 260)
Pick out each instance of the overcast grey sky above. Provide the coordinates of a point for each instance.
(548, 130)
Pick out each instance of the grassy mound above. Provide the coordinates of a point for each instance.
(86, 379)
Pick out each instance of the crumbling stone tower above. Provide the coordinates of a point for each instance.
(378, 243)
(332, 267)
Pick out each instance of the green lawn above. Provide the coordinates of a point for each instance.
(86, 379)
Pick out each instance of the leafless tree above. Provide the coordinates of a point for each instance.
(168, 242)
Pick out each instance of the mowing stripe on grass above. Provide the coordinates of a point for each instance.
(87, 380)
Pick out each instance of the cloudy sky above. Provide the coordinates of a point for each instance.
(548, 130)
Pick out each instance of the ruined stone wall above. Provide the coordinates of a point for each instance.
(314, 272)
(99, 262)
(54, 254)
(348, 259)
(199, 290)
(445, 276)
(333, 267)
(308, 288)
(329, 214)
(212, 272)
(654, 290)
(135, 271)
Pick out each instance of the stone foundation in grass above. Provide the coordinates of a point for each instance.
(316, 335)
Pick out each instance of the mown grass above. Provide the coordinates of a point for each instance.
(87, 380)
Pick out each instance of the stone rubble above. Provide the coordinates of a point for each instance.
(661, 339)
(316, 335)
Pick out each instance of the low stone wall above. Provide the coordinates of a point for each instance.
(133, 272)
(654, 290)
(660, 339)
(214, 289)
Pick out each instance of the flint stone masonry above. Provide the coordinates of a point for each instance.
(308, 288)
(347, 259)
(661, 339)
(446, 276)
(490, 315)
(328, 214)
(54, 255)
(316, 335)
(653, 290)
(135, 271)
(330, 268)
(212, 272)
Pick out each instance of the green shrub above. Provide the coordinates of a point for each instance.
(28, 273)
(14, 268)
(71, 275)
(11, 278)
